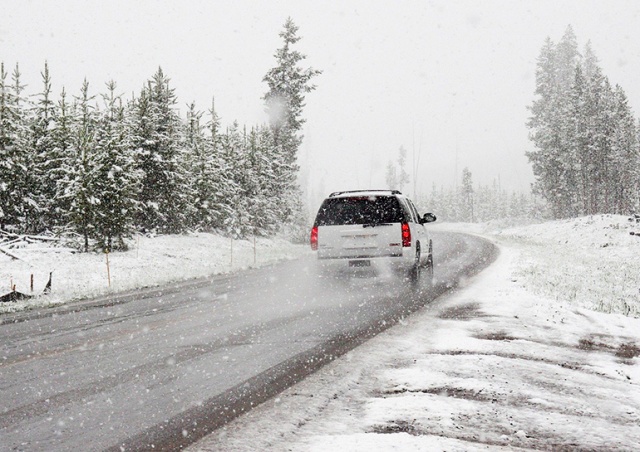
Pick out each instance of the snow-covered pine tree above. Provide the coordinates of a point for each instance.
(115, 180)
(288, 84)
(237, 221)
(286, 193)
(579, 149)
(24, 181)
(625, 158)
(78, 183)
(541, 122)
(466, 196)
(567, 56)
(397, 176)
(209, 171)
(199, 166)
(10, 160)
(219, 178)
(270, 207)
(552, 162)
(264, 207)
(403, 175)
(580, 134)
(251, 181)
(606, 126)
(47, 161)
(156, 136)
(594, 111)
(567, 190)
(391, 176)
(482, 200)
(64, 154)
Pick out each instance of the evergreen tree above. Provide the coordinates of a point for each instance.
(397, 176)
(605, 131)
(79, 183)
(22, 183)
(264, 207)
(579, 148)
(466, 193)
(403, 175)
(218, 174)
(288, 84)
(233, 154)
(115, 180)
(567, 56)
(582, 135)
(595, 110)
(391, 176)
(64, 157)
(625, 158)
(542, 122)
(199, 165)
(209, 171)
(552, 134)
(47, 160)
(9, 155)
(160, 158)
(249, 183)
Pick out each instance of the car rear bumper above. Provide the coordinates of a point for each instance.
(367, 264)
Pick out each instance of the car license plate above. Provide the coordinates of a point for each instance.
(359, 263)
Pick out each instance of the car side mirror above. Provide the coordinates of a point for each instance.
(428, 218)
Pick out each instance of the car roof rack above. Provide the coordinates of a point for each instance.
(337, 193)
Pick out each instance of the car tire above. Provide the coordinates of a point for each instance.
(416, 268)
(429, 265)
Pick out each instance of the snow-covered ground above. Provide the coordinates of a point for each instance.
(516, 359)
(151, 261)
(535, 352)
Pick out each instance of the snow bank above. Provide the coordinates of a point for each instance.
(151, 261)
(591, 262)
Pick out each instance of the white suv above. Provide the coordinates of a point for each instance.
(378, 229)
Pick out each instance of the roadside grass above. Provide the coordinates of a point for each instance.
(590, 262)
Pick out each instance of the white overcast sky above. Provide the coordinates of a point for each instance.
(448, 80)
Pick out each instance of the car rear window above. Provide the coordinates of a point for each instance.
(360, 210)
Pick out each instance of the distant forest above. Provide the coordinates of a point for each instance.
(101, 168)
(467, 203)
(587, 153)
(587, 149)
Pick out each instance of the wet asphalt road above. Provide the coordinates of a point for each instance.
(160, 369)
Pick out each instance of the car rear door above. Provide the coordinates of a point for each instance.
(359, 227)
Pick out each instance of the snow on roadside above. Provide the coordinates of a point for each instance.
(603, 271)
(512, 360)
(591, 262)
(152, 261)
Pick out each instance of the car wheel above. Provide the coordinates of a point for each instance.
(429, 265)
(416, 268)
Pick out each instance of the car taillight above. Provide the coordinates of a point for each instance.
(314, 238)
(406, 235)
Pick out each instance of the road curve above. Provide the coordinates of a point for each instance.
(161, 369)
